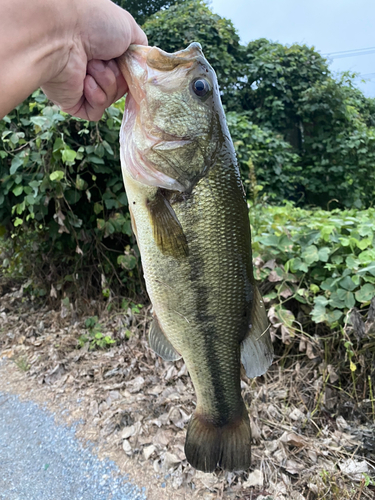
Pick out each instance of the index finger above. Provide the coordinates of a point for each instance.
(138, 36)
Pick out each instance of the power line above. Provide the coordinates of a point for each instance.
(347, 51)
(353, 55)
(350, 53)
(370, 76)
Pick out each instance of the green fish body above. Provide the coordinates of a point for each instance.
(190, 217)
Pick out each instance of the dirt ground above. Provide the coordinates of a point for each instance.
(311, 441)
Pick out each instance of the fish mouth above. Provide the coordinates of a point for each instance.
(139, 62)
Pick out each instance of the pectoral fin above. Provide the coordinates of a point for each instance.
(160, 344)
(167, 230)
(256, 348)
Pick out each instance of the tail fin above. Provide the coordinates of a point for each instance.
(208, 446)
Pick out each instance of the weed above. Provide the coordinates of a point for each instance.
(95, 337)
(21, 363)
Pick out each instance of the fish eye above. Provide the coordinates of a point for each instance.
(201, 87)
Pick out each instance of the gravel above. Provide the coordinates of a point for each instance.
(40, 460)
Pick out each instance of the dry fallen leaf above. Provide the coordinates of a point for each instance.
(354, 468)
(255, 479)
(292, 439)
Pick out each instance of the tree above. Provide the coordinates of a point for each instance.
(192, 21)
(142, 9)
(329, 122)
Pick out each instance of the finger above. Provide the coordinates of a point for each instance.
(122, 86)
(138, 35)
(95, 99)
(104, 77)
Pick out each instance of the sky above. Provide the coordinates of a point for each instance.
(328, 25)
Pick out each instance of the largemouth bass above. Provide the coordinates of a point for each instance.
(190, 217)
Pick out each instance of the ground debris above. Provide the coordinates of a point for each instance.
(135, 408)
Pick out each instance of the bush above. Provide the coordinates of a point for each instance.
(268, 164)
(323, 261)
(192, 21)
(62, 198)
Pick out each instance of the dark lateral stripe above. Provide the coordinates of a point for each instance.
(197, 274)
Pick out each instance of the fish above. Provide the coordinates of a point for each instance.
(190, 218)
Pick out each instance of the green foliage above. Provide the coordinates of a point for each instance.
(142, 9)
(192, 21)
(329, 122)
(299, 135)
(287, 95)
(275, 78)
(95, 338)
(339, 146)
(323, 260)
(267, 162)
(62, 197)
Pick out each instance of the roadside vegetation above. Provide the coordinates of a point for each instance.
(305, 143)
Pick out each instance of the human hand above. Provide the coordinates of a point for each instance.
(89, 80)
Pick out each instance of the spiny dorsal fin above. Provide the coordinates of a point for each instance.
(168, 233)
(160, 344)
(257, 348)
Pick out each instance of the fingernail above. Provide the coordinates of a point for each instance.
(97, 65)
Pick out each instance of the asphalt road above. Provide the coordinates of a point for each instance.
(40, 460)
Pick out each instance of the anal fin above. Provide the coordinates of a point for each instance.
(160, 344)
(257, 348)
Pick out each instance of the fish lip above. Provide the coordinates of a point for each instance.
(140, 60)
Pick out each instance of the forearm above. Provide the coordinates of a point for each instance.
(36, 37)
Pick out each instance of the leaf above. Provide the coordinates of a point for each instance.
(347, 283)
(367, 256)
(335, 301)
(98, 207)
(366, 242)
(296, 264)
(127, 261)
(122, 198)
(318, 314)
(95, 159)
(333, 316)
(352, 262)
(15, 165)
(329, 284)
(18, 190)
(310, 254)
(80, 183)
(323, 254)
(72, 196)
(110, 203)
(365, 293)
(369, 269)
(57, 175)
(100, 224)
(326, 231)
(347, 297)
(68, 156)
